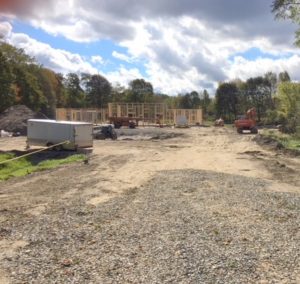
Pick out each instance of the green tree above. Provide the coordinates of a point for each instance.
(289, 105)
(189, 100)
(7, 96)
(271, 78)
(205, 102)
(48, 82)
(284, 77)
(288, 9)
(60, 91)
(28, 89)
(195, 99)
(227, 101)
(160, 98)
(211, 109)
(259, 95)
(98, 90)
(118, 94)
(75, 94)
(22, 77)
(173, 101)
(140, 91)
(16, 57)
(185, 101)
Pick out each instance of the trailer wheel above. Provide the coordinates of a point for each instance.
(240, 130)
(114, 136)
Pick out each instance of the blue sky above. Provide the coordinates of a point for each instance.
(177, 48)
(103, 48)
(255, 53)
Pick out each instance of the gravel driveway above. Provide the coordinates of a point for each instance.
(183, 226)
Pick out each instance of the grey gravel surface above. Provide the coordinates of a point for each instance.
(148, 133)
(181, 227)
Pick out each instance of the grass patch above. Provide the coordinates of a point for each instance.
(291, 142)
(26, 165)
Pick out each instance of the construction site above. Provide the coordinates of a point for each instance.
(149, 142)
(170, 200)
(144, 113)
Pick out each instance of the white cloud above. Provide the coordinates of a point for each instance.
(122, 56)
(184, 46)
(185, 54)
(73, 29)
(243, 68)
(97, 59)
(123, 75)
(57, 59)
(5, 29)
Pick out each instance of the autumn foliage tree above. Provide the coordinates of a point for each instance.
(7, 97)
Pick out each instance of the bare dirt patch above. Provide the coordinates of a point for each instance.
(206, 206)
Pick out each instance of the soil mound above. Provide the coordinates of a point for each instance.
(14, 119)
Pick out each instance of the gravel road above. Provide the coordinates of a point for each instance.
(180, 226)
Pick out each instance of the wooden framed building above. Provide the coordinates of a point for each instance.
(89, 115)
(146, 113)
(151, 112)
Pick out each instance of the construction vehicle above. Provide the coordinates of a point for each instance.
(247, 122)
(104, 131)
(118, 122)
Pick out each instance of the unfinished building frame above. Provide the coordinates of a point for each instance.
(146, 113)
(81, 114)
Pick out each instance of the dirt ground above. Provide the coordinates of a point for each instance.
(116, 168)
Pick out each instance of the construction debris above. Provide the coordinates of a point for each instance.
(14, 119)
(4, 133)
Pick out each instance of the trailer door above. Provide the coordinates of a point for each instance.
(83, 135)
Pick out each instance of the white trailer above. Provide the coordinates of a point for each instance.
(46, 132)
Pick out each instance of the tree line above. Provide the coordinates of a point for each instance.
(24, 81)
(276, 99)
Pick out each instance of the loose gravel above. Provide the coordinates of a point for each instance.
(181, 227)
(148, 134)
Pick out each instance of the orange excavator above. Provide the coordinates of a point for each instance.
(247, 122)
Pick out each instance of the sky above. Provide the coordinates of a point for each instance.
(178, 46)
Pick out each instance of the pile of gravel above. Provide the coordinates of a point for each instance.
(181, 227)
(14, 119)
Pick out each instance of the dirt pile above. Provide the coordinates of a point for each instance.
(14, 119)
